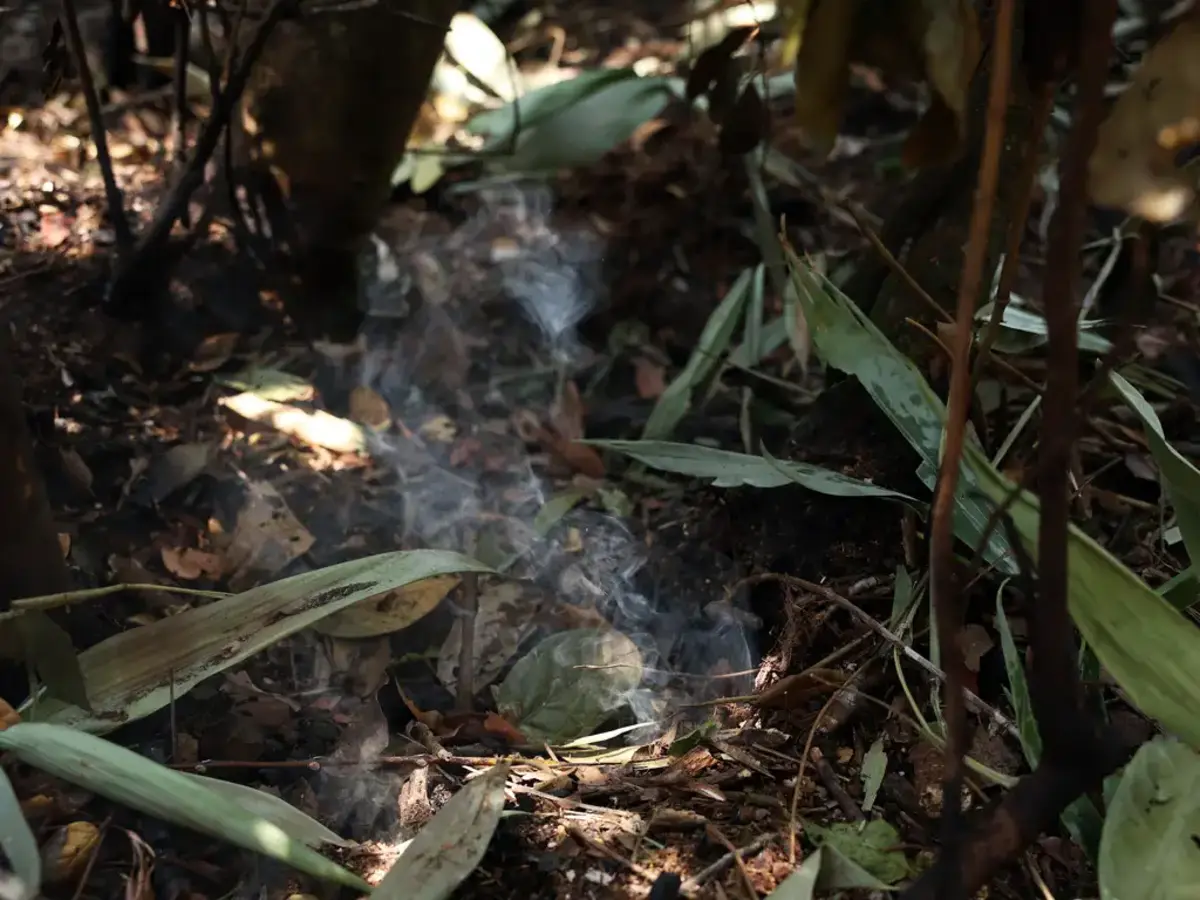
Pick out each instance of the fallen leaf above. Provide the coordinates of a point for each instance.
(188, 563)
(570, 683)
(650, 378)
(266, 538)
(1133, 166)
(974, 641)
(370, 409)
(175, 469)
(214, 351)
(68, 850)
(566, 415)
(316, 428)
(505, 618)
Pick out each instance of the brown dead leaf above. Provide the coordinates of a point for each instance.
(1134, 164)
(55, 228)
(822, 70)
(8, 715)
(974, 641)
(566, 415)
(370, 409)
(188, 563)
(266, 538)
(495, 724)
(582, 458)
(214, 351)
(650, 378)
(68, 851)
(935, 41)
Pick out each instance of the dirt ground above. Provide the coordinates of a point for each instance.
(157, 479)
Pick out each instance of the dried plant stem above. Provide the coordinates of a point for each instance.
(943, 579)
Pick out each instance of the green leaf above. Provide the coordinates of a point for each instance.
(802, 883)
(1031, 741)
(729, 469)
(125, 777)
(255, 802)
(869, 846)
(450, 845)
(874, 767)
(1182, 591)
(52, 655)
(1150, 849)
(570, 683)
(718, 331)
(544, 103)
(1023, 330)
(848, 340)
(574, 127)
(18, 843)
(139, 671)
(1180, 478)
(1151, 649)
(558, 506)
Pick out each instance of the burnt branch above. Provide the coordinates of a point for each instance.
(1068, 733)
(112, 192)
(138, 278)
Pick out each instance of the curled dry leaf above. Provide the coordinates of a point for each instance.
(934, 41)
(188, 563)
(1134, 164)
(68, 850)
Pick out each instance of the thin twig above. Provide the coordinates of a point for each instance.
(465, 693)
(711, 871)
(973, 701)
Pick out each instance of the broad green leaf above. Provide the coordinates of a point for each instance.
(729, 469)
(874, 767)
(53, 657)
(450, 845)
(558, 506)
(1180, 478)
(537, 106)
(718, 331)
(848, 340)
(1182, 591)
(1150, 849)
(802, 883)
(578, 127)
(294, 823)
(570, 683)
(868, 858)
(126, 777)
(18, 843)
(1031, 741)
(1151, 650)
(139, 671)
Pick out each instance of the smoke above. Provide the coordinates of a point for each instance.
(468, 334)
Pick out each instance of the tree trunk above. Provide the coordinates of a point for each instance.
(31, 560)
(327, 114)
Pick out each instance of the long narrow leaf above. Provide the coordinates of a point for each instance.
(138, 672)
(125, 777)
(18, 843)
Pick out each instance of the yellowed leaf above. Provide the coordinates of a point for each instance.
(1134, 164)
(67, 852)
(390, 611)
(823, 70)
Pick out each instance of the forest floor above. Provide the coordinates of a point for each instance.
(530, 316)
